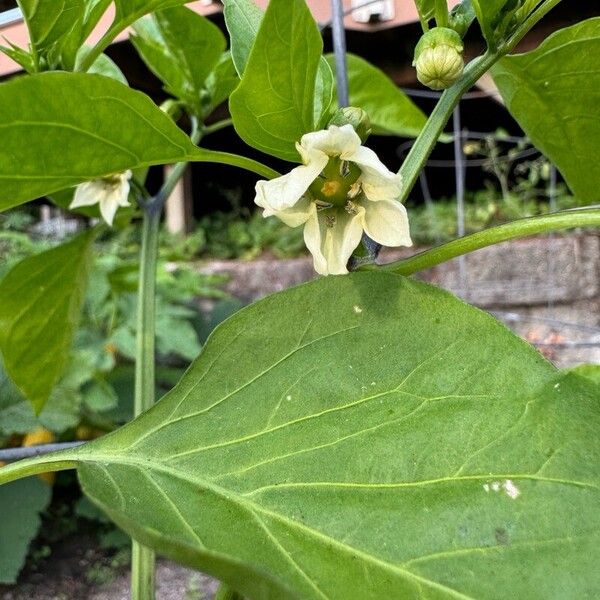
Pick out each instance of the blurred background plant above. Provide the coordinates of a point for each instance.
(96, 393)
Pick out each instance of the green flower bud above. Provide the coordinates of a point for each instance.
(439, 59)
(356, 117)
(172, 108)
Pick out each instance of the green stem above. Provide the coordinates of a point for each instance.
(144, 367)
(143, 559)
(441, 13)
(434, 128)
(539, 13)
(103, 43)
(234, 160)
(217, 126)
(489, 237)
(50, 463)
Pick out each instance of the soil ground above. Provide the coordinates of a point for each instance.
(78, 569)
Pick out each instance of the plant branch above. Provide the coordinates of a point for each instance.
(59, 461)
(441, 13)
(208, 129)
(234, 160)
(143, 559)
(517, 229)
(434, 128)
(104, 42)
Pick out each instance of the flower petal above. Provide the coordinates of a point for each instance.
(334, 141)
(312, 239)
(332, 247)
(87, 194)
(378, 182)
(386, 222)
(112, 197)
(121, 193)
(297, 214)
(108, 208)
(283, 192)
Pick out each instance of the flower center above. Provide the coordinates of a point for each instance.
(111, 180)
(331, 188)
(337, 183)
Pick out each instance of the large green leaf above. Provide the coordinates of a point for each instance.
(273, 106)
(182, 48)
(391, 111)
(365, 437)
(60, 129)
(94, 9)
(20, 503)
(243, 19)
(40, 304)
(324, 91)
(554, 93)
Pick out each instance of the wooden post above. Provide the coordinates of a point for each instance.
(179, 208)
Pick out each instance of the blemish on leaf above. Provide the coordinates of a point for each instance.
(511, 490)
(501, 536)
(357, 309)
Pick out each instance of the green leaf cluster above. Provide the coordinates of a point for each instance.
(554, 93)
(76, 378)
(59, 29)
(197, 72)
(499, 18)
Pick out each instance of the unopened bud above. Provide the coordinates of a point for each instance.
(439, 59)
(172, 108)
(356, 117)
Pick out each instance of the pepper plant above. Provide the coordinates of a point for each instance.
(361, 436)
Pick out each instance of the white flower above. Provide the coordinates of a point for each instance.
(110, 192)
(340, 190)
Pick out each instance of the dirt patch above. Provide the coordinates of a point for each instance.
(78, 568)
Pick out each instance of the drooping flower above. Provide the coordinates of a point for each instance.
(109, 192)
(340, 190)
